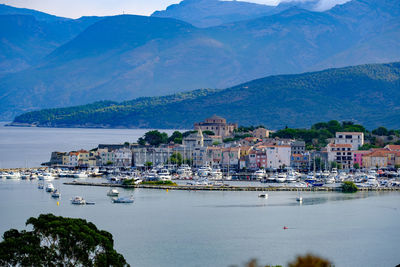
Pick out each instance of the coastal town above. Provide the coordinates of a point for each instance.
(212, 143)
(219, 150)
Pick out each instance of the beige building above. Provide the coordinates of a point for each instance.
(261, 133)
(217, 125)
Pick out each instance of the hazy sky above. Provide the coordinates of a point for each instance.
(78, 8)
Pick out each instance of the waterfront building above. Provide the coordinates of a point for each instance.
(300, 161)
(355, 139)
(123, 157)
(155, 155)
(251, 160)
(56, 158)
(278, 156)
(218, 125)
(230, 157)
(341, 154)
(261, 159)
(358, 157)
(298, 147)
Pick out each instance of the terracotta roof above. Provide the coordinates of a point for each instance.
(383, 153)
(297, 155)
(393, 147)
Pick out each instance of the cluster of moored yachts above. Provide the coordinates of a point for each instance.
(214, 176)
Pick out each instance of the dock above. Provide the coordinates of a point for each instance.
(232, 188)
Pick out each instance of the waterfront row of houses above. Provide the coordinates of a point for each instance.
(250, 153)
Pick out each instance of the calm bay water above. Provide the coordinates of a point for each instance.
(31, 146)
(186, 228)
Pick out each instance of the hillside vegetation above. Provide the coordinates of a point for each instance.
(366, 94)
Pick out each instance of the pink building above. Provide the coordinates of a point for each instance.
(261, 159)
(358, 157)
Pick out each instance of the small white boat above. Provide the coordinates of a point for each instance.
(49, 187)
(281, 178)
(263, 195)
(40, 186)
(299, 199)
(46, 176)
(56, 194)
(80, 175)
(113, 193)
(164, 175)
(78, 201)
(123, 200)
(260, 174)
(13, 175)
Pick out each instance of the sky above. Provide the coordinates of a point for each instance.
(78, 8)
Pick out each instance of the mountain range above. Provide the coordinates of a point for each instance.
(366, 94)
(51, 62)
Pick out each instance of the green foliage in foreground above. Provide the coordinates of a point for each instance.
(349, 187)
(59, 241)
(160, 183)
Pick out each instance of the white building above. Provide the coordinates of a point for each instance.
(355, 139)
(278, 156)
(123, 157)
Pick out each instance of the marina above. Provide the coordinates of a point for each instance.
(219, 224)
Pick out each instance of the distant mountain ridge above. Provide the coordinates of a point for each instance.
(367, 94)
(125, 57)
(208, 13)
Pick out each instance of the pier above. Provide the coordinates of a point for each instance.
(233, 188)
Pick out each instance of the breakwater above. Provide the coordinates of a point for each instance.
(232, 188)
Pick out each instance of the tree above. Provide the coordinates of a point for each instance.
(148, 164)
(155, 138)
(176, 137)
(141, 141)
(310, 260)
(208, 132)
(59, 241)
(356, 166)
(349, 187)
(334, 164)
(109, 163)
(381, 131)
(176, 158)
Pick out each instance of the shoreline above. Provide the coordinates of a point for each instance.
(231, 188)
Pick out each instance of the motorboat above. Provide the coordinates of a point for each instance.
(49, 187)
(260, 174)
(113, 193)
(123, 200)
(151, 175)
(80, 175)
(299, 198)
(263, 195)
(56, 193)
(40, 186)
(13, 175)
(78, 201)
(291, 177)
(371, 181)
(216, 174)
(204, 171)
(281, 178)
(46, 176)
(330, 179)
(164, 175)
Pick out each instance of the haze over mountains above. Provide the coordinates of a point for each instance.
(69, 62)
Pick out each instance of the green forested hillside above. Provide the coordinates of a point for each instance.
(367, 94)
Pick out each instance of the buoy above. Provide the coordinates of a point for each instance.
(167, 190)
(58, 203)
